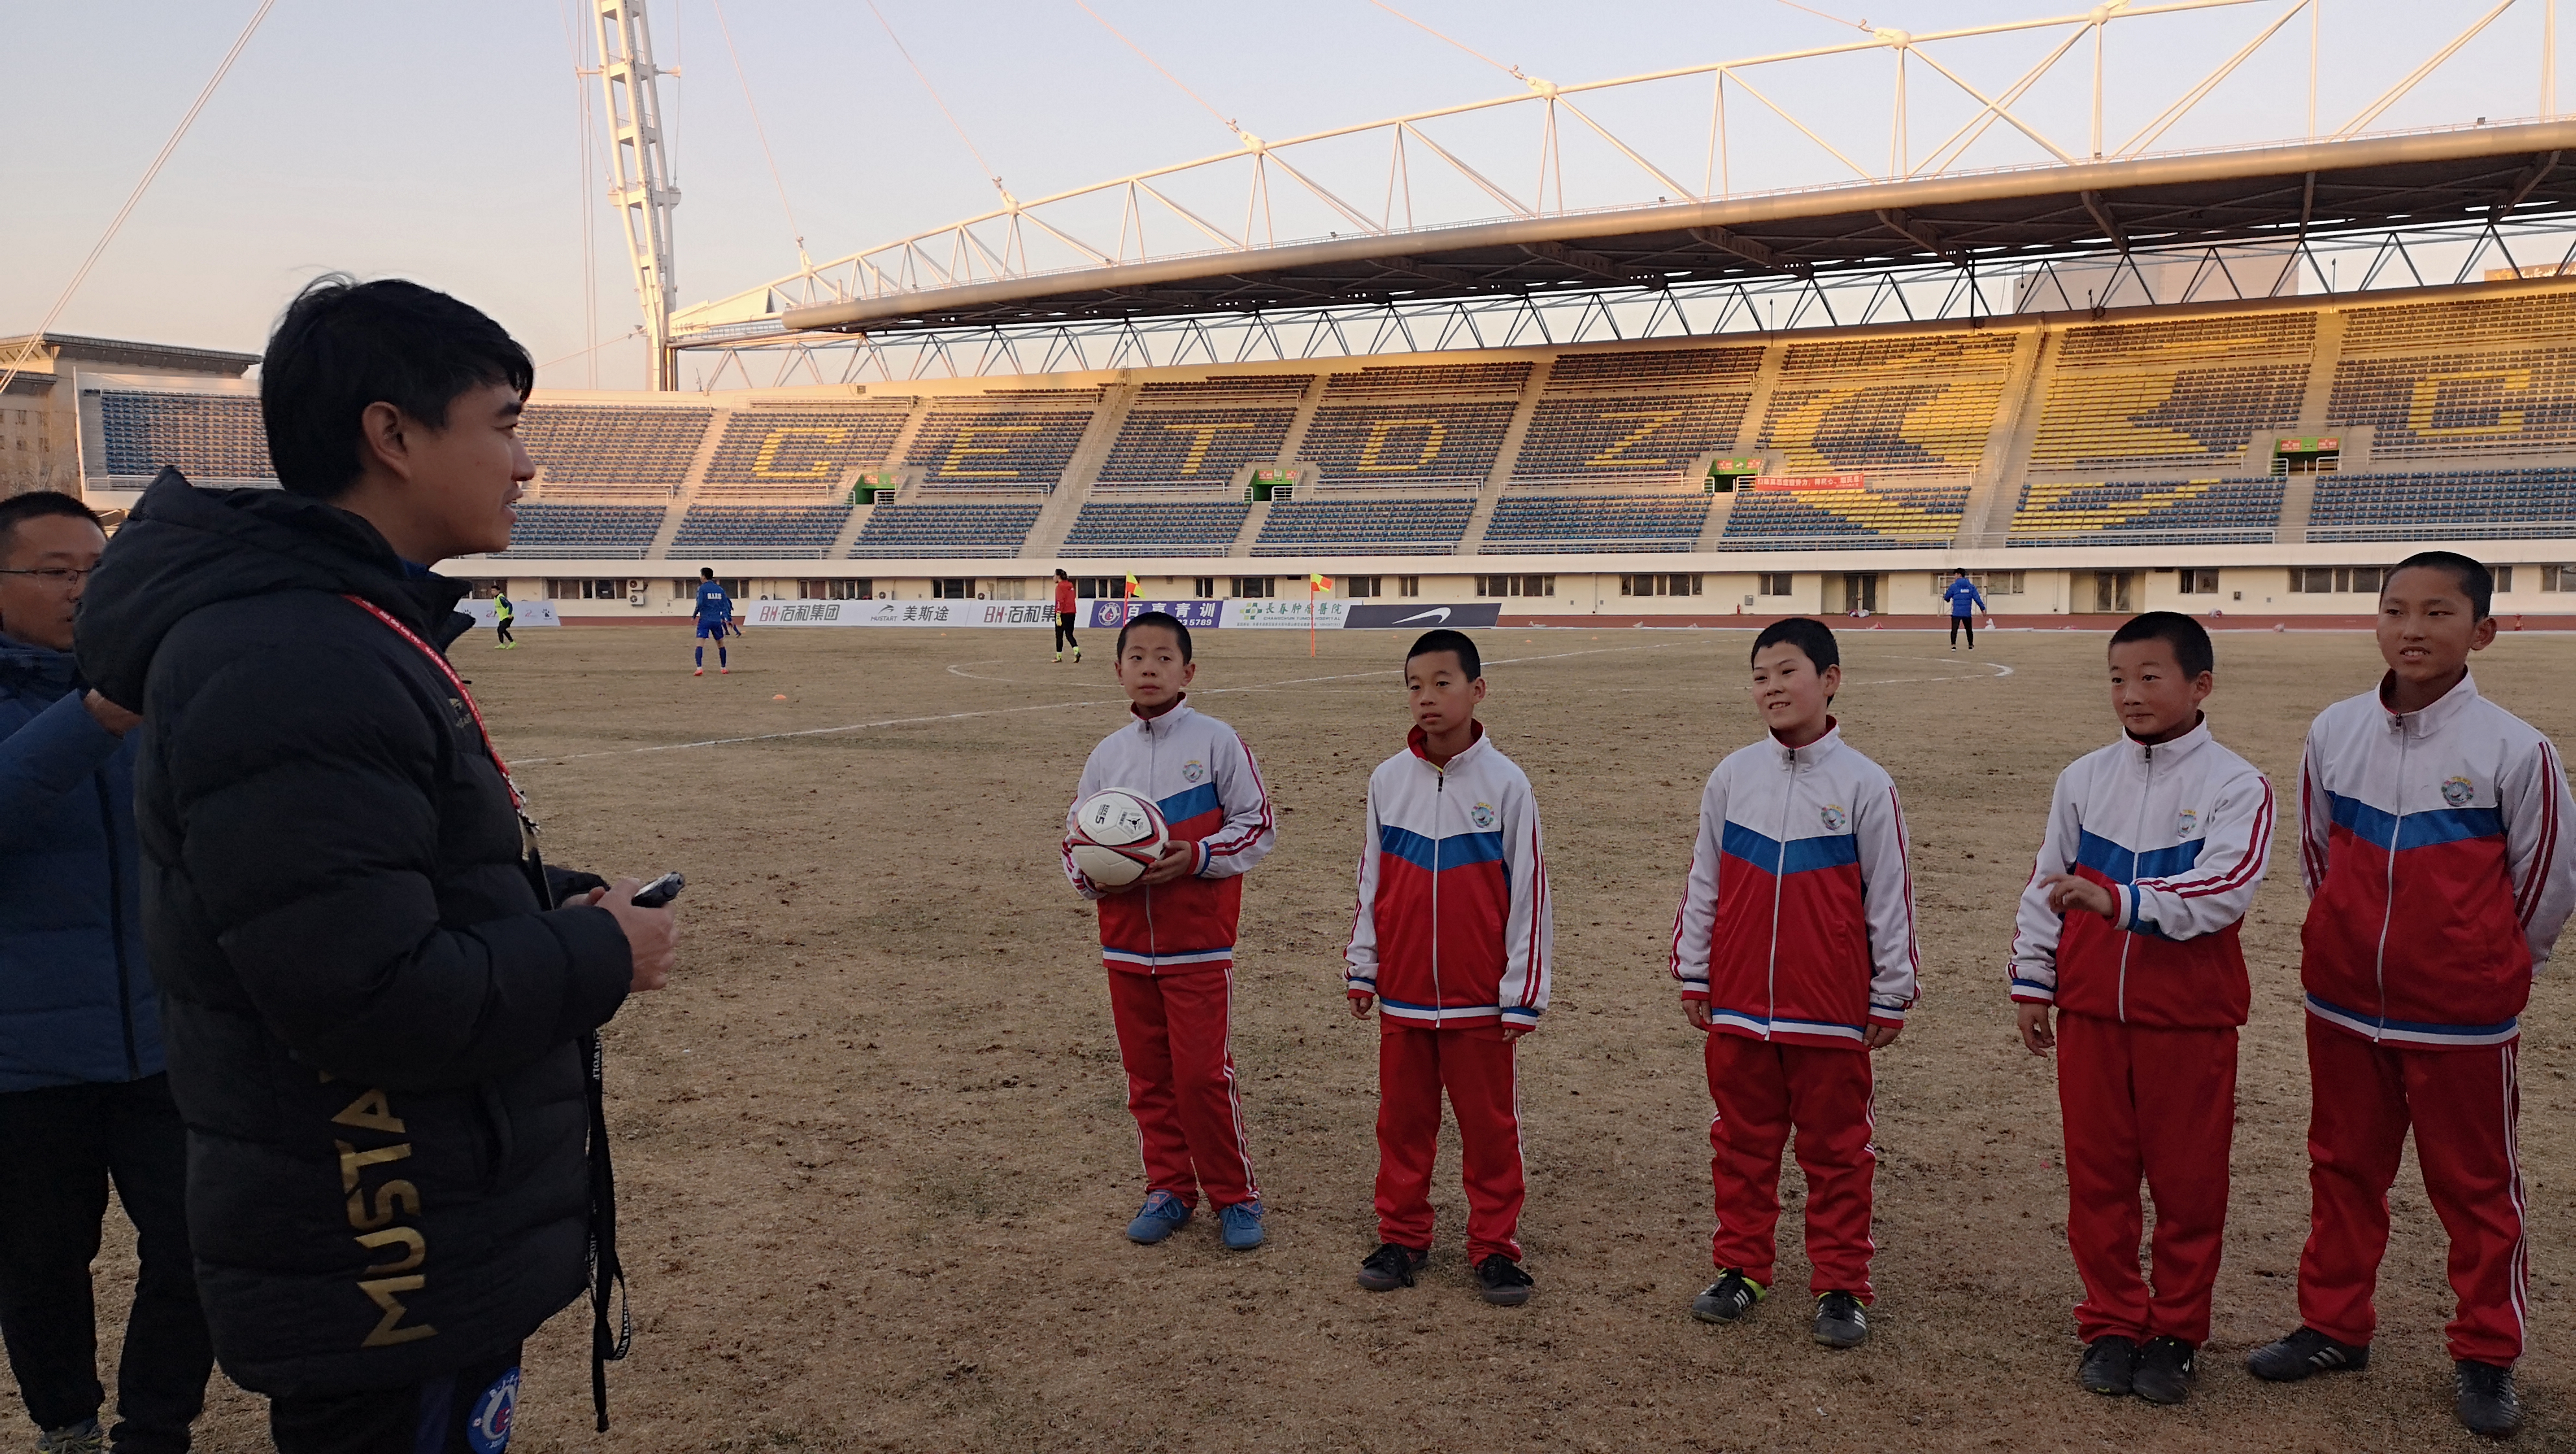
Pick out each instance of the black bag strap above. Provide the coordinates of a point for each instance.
(607, 1275)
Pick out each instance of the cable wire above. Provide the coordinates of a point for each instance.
(1861, 24)
(1513, 71)
(36, 340)
(919, 75)
(762, 132)
(1230, 123)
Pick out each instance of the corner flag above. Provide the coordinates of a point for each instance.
(1320, 581)
(1132, 588)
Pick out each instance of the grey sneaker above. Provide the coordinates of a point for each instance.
(1727, 1299)
(2483, 1394)
(1840, 1321)
(2164, 1371)
(2304, 1352)
(2110, 1366)
(85, 1437)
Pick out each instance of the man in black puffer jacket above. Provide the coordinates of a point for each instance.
(375, 1025)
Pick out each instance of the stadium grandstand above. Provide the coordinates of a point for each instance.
(2240, 457)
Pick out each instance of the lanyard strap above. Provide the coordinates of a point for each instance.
(518, 801)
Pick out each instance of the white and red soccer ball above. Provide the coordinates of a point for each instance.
(1117, 835)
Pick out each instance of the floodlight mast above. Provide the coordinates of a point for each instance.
(639, 174)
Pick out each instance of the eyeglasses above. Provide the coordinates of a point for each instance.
(61, 577)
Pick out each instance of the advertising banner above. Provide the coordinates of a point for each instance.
(1287, 613)
(1810, 482)
(1462, 616)
(1196, 615)
(523, 613)
(896, 613)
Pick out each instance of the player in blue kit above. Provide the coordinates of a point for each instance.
(715, 612)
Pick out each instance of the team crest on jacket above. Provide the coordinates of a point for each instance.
(1482, 815)
(1834, 818)
(2186, 823)
(1193, 770)
(489, 1429)
(2457, 791)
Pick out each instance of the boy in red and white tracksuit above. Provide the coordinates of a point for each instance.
(2430, 824)
(1451, 940)
(2154, 848)
(1169, 943)
(1795, 948)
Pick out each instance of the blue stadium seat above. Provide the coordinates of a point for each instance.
(1110, 529)
(791, 532)
(986, 531)
(1567, 524)
(2504, 504)
(203, 436)
(601, 532)
(1366, 527)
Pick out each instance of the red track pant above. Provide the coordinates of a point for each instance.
(1173, 1038)
(1762, 1091)
(2156, 1103)
(2464, 1105)
(1474, 1064)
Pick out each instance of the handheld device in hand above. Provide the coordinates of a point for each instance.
(659, 892)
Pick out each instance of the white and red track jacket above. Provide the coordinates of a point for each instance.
(2180, 832)
(1798, 922)
(1202, 776)
(2429, 843)
(1454, 925)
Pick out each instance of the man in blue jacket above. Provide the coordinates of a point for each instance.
(82, 1095)
(1962, 594)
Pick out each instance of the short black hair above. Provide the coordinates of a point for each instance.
(2476, 581)
(343, 345)
(35, 504)
(1164, 619)
(2188, 638)
(706, 573)
(1059, 573)
(1962, 570)
(1444, 639)
(1811, 636)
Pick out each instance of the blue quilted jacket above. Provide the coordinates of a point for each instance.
(76, 1003)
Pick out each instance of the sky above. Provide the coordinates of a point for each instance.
(443, 142)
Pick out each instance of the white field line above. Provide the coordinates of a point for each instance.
(1039, 707)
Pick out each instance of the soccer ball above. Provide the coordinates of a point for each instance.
(1117, 835)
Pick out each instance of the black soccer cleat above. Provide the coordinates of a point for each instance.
(1728, 1298)
(1391, 1266)
(2164, 1373)
(2483, 1395)
(2110, 1366)
(1840, 1321)
(1500, 1281)
(2304, 1352)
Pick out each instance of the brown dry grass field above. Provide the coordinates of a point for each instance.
(875, 1159)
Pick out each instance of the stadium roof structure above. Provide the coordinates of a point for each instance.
(1993, 164)
(2279, 193)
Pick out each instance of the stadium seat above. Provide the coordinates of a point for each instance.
(947, 528)
(2503, 504)
(1569, 524)
(1107, 528)
(1878, 517)
(1007, 440)
(792, 532)
(601, 532)
(598, 452)
(203, 436)
(776, 451)
(2190, 512)
(1366, 527)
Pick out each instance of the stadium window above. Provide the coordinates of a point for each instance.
(486, 590)
(1408, 585)
(1660, 585)
(1254, 588)
(1202, 588)
(1776, 583)
(1099, 588)
(1360, 588)
(585, 590)
(952, 588)
(1516, 585)
(2503, 578)
(2311, 579)
(835, 590)
(2197, 582)
(1990, 583)
(736, 587)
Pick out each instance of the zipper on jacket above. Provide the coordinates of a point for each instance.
(1153, 950)
(2146, 790)
(116, 924)
(1439, 798)
(1779, 879)
(2388, 899)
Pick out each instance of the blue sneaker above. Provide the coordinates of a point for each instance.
(1163, 1215)
(1242, 1226)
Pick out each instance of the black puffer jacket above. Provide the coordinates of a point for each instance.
(373, 1028)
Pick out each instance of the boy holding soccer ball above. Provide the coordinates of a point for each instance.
(1451, 944)
(2154, 848)
(1795, 949)
(1167, 938)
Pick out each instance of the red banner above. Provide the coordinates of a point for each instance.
(1809, 482)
